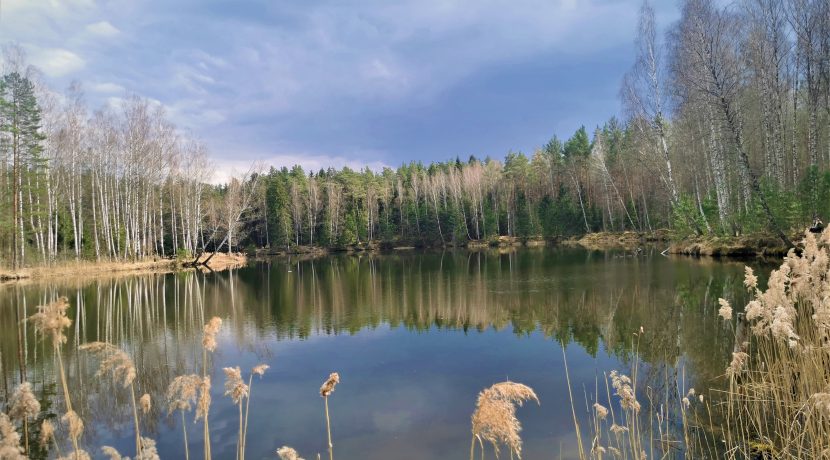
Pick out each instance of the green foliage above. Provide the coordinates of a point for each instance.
(686, 218)
(579, 145)
(183, 254)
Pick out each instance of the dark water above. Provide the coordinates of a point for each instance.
(414, 336)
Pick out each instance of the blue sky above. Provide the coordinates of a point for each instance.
(343, 83)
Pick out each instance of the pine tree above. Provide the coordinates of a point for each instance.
(20, 121)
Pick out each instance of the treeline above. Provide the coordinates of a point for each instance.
(555, 192)
(105, 185)
(117, 183)
(726, 131)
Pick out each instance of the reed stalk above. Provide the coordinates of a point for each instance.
(260, 371)
(208, 344)
(573, 407)
(325, 391)
(328, 428)
(184, 433)
(51, 320)
(138, 449)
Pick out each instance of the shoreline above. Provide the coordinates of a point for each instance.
(741, 247)
(87, 268)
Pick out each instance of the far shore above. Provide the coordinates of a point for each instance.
(747, 246)
(744, 246)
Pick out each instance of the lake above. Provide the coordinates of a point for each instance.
(414, 335)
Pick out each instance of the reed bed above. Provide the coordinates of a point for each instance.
(778, 397)
(776, 403)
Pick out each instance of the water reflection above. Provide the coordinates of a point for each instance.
(415, 336)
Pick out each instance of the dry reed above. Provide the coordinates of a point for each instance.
(211, 330)
(24, 406)
(148, 451)
(778, 402)
(47, 434)
(111, 452)
(287, 453)
(325, 391)
(50, 321)
(328, 386)
(116, 362)
(146, 403)
(79, 454)
(181, 395)
(494, 419)
(260, 371)
(10, 447)
(236, 389)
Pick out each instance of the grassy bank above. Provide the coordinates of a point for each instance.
(89, 268)
(743, 246)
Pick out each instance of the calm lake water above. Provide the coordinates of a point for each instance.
(415, 336)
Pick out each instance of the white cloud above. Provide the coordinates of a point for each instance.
(106, 87)
(339, 66)
(225, 168)
(103, 29)
(56, 62)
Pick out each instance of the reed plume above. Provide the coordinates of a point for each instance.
(778, 401)
(9, 440)
(74, 424)
(111, 452)
(118, 363)
(328, 386)
(237, 390)
(114, 361)
(47, 433)
(50, 320)
(725, 310)
(80, 454)
(287, 453)
(325, 391)
(181, 394)
(234, 385)
(211, 330)
(494, 419)
(146, 403)
(24, 406)
(203, 403)
(208, 345)
(148, 450)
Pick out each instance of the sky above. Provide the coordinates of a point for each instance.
(331, 83)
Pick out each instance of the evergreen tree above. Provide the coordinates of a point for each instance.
(21, 139)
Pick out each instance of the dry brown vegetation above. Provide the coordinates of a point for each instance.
(777, 401)
(94, 270)
(494, 419)
(779, 385)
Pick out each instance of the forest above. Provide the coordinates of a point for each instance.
(725, 130)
